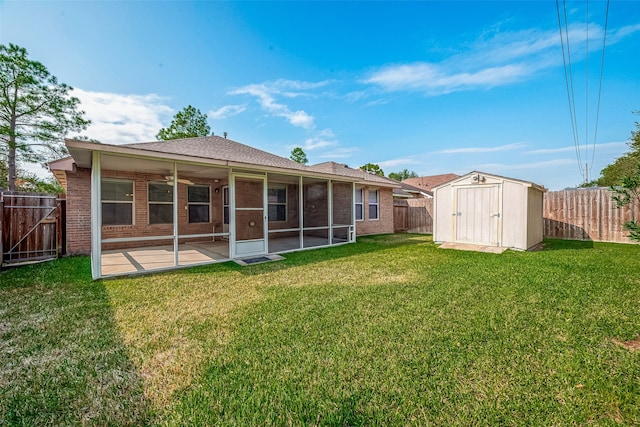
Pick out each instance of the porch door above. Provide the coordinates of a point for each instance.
(477, 215)
(249, 216)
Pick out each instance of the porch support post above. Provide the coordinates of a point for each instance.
(330, 207)
(353, 212)
(96, 217)
(300, 211)
(175, 214)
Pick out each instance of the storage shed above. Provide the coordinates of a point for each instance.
(489, 210)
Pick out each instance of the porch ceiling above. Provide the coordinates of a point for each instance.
(128, 164)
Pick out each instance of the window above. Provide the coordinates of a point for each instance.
(373, 204)
(359, 204)
(198, 199)
(160, 203)
(117, 201)
(277, 199)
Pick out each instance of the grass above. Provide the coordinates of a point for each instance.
(388, 331)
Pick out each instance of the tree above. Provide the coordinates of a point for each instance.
(36, 111)
(626, 194)
(298, 155)
(372, 168)
(188, 123)
(403, 174)
(625, 166)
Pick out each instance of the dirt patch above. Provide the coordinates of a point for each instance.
(633, 345)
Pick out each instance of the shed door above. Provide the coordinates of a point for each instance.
(477, 215)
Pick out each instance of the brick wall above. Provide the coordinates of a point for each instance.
(78, 221)
(385, 213)
(79, 212)
(78, 216)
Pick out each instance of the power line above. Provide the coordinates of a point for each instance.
(569, 82)
(568, 75)
(604, 43)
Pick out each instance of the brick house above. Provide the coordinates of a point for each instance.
(167, 204)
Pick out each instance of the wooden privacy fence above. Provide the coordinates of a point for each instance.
(31, 227)
(586, 214)
(413, 216)
(575, 214)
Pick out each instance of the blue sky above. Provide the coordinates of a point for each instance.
(434, 87)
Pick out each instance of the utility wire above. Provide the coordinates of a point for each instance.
(586, 97)
(572, 115)
(604, 43)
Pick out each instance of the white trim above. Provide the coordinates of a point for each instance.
(132, 202)
(96, 217)
(232, 217)
(301, 210)
(376, 204)
(176, 258)
(330, 210)
(355, 203)
(208, 204)
(149, 202)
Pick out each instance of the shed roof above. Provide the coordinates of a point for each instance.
(505, 178)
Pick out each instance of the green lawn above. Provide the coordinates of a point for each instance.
(387, 331)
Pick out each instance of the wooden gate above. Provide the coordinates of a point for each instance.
(30, 228)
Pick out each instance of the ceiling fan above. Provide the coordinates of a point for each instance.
(169, 179)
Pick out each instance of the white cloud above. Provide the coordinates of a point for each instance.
(321, 139)
(267, 92)
(226, 111)
(532, 165)
(393, 163)
(500, 59)
(467, 150)
(122, 119)
(435, 79)
(604, 146)
(339, 153)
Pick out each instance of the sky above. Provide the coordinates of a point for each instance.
(432, 87)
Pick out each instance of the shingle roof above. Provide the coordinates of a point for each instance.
(215, 147)
(429, 182)
(344, 170)
(227, 150)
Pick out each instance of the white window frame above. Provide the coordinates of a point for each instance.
(130, 202)
(286, 199)
(361, 203)
(149, 203)
(208, 204)
(376, 204)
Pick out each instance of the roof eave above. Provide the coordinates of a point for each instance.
(81, 152)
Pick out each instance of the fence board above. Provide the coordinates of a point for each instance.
(29, 227)
(413, 216)
(586, 214)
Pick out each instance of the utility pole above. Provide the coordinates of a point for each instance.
(586, 172)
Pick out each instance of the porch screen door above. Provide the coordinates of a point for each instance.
(249, 216)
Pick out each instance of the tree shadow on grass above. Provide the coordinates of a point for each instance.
(62, 361)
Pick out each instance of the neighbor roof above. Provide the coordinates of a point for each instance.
(431, 181)
(344, 170)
